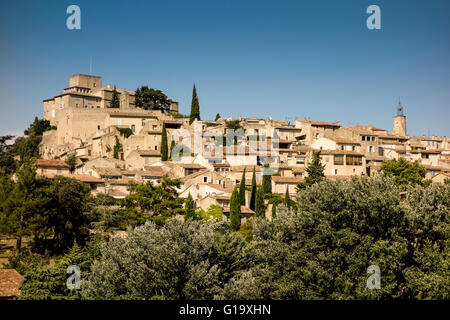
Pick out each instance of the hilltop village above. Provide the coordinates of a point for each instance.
(116, 139)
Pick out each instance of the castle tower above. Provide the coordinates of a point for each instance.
(399, 127)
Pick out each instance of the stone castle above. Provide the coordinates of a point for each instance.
(88, 129)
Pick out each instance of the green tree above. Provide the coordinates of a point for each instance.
(260, 207)
(115, 102)
(151, 99)
(71, 161)
(253, 191)
(405, 173)
(314, 170)
(189, 208)
(7, 162)
(152, 202)
(235, 210)
(217, 117)
(195, 107)
(267, 180)
(118, 148)
(242, 190)
(186, 261)
(287, 199)
(28, 147)
(164, 148)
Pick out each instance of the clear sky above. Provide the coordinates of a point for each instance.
(277, 58)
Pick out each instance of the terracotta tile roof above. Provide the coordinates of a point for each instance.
(327, 152)
(280, 179)
(377, 129)
(149, 153)
(108, 172)
(80, 177)
(344, 141)
(298, 169)
(324, 124)
(244, 209)
(220, 165)
(9, 283)
(248, 168)
(191, 166)
(51, 163)
(152, 172)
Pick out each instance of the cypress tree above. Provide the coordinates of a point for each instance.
(287, 199)
(267, 180)
(195, 107)
(189, 208)
(164, 150)
(315, 170)
(253, 192)
(242, 190)
(217, 117)
(115, 102)
(260, 207)
(235, 210)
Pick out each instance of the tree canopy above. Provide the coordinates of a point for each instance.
(405, 173)
(195, 107)
(151, 99)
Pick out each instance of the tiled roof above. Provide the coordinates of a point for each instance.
(51, 163)
(191, 166)
(152, 172)
(149, 153)
(248, 168)
(80, 177)
(108, 172)
(326, 152)
(280, 179)
(244, 209)
(344, 141)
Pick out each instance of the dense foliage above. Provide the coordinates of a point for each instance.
(151, 99)
(318, 250)
(405, 173)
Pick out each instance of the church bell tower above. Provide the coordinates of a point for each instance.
(399, 127)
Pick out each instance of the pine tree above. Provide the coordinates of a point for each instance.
(242, 190)
(217, 117)
(235, 210)
(253, 192)
(115, 102)
(260, 207)
(267, 180)
(189, 208)
(195, 107)
(164, 150)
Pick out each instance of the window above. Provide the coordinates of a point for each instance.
(98, 127)
(119, 121)
(335, 171)
(205, 179)
(154, 127)
(155, 138)
(363, 138)
(143, 122)
(133, 127)
(354, 160)
(339, 159)
(156, 147)
(341, 147)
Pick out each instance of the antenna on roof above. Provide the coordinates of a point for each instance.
(90, 66)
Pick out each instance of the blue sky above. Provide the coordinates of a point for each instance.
(277, 58)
